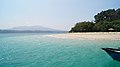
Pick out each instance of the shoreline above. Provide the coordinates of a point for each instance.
(89, 35)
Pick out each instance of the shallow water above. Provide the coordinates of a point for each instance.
(37, 50)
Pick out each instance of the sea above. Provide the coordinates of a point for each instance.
(39, 50)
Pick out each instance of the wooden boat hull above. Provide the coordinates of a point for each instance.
(114, 53)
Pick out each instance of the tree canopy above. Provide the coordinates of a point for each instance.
(103, 22)
(83, 27)
(108, 15)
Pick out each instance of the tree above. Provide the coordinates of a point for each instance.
(108, 15)
(103, 22)
(116, 25)
(83, 27)
(102, 26)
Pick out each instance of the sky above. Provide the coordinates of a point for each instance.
(56, 14)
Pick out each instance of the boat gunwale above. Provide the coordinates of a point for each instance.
(111, 50)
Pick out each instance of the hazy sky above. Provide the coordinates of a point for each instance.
(57, 14)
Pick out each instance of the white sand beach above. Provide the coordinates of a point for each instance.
(89, 35)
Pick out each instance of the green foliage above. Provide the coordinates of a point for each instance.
(103, 22)
(83, 27)
(108, 15)
(102, 27)
(116, 25)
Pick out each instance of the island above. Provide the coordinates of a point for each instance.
(105, 21)
(105, 27)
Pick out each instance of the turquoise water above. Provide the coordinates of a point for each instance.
(37, 50)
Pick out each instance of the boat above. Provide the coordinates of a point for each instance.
(114, 53)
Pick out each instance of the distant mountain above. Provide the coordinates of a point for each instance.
(32, 28)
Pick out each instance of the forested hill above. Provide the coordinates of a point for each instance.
(104, 21)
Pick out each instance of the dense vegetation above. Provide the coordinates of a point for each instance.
(103, 22)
